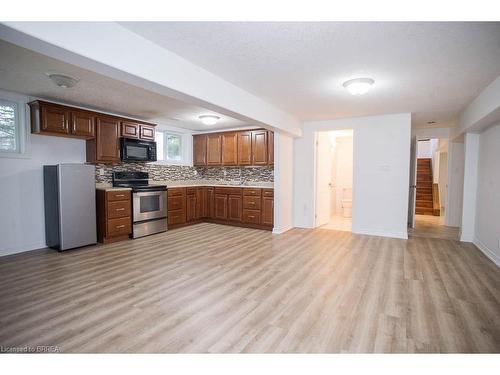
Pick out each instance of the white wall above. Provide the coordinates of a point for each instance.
(380, 178)
(471, 149)
(487, 225)
(453, 215)
(343, 171)
(283, 182)
(22, 223)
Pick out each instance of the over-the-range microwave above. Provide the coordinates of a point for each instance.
(137, 150)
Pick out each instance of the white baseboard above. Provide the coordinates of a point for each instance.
(380, 233)
(487, 251)
(281, 230)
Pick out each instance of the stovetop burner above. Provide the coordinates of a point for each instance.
(138, 181)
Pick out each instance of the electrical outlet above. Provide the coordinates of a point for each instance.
(101, 171)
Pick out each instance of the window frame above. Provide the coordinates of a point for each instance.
(22, 133)
(183, 148)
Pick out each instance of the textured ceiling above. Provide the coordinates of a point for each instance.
(430, 69)
(23, 71)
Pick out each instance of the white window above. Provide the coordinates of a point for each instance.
(10, 127)
(170, 147)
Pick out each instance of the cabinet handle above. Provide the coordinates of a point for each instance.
(120, 195)
(120, 226)
(251, 216)
(120, 209)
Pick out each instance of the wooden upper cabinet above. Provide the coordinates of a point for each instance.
(214, 149)
(147, 132)
(107, 142)
(270, 147)
(53, 119)
(200, 149)
(129, 129)
(259, 147)
(229, 148)
(244, 148)
(83, 124)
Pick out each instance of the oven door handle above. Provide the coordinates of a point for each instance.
(148, 193)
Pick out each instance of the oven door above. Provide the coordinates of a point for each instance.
(149, 205)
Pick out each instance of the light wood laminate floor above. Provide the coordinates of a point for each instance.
(213, 288)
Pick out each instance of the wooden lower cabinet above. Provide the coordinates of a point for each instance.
(114, 218)
(247, 207)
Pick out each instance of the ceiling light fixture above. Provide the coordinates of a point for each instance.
(358, 86)
(209, 119)
(62, 80)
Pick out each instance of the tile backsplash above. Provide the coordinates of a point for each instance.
(183, 173)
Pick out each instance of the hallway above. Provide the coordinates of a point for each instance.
(433, 227)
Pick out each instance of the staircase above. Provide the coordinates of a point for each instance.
(424, 202)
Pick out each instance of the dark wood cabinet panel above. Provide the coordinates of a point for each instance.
(252, 203)
(176, 217)
(107, 142)
(229, 148)
(114, 218)
(129, 129)
(267, 211)
(54, 119)
(83, 124)
(199, 149)
(214, 149)
(259, 147)
(270, 147)
(210, 203)
(147, 132)
(234, 207)
(190, 207)
(220, 206)
(244, 148)
(251, 216)
(201, 193)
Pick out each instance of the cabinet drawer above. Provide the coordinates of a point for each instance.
(176, 203)
(252, 192)
(120, 195)
(268, 192)
(118, 227)
(228, 190)
(251, 202)
(251, 216)
(191, 190)
(176, 217)
(176, 191)
(118, 209)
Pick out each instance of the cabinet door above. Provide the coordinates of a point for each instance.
(147, 132)
(220, 206)
(267, 210)
(130, 129)
(270, 147)
(200, 203)
(55, 119)
(244, 148)
(229, 148)
(107, 139)
(190, 207)
(214, 149)
(259, 147)
(82, 124)
(210, 203)
(199, 149)
(234, 207)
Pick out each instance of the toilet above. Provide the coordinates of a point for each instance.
(346, 207)
(346, 202)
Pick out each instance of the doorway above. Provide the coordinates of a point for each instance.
(334, 179)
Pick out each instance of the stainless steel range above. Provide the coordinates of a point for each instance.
(149, 203)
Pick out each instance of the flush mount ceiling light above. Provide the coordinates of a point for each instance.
(358, 86)
(209, 119)
(62, 80)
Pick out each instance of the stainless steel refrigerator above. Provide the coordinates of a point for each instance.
(70, 212)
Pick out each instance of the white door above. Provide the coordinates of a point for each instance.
(323, 178)
(413, 183)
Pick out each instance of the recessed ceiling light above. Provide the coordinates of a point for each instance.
(209, 119)
(358, 86)
(62, 80)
